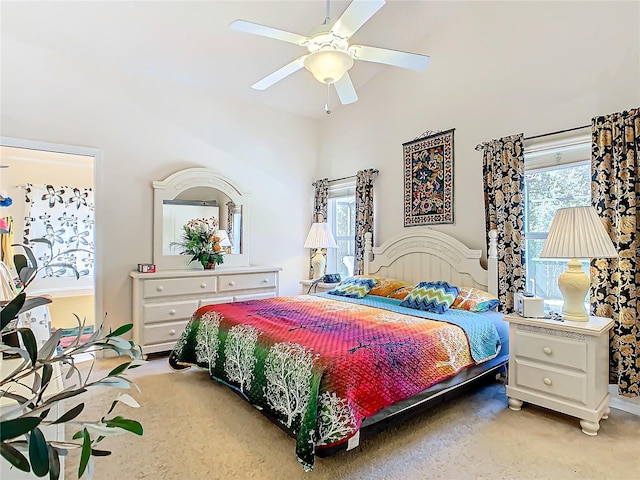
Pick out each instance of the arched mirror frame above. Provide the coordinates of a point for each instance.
(174, 185)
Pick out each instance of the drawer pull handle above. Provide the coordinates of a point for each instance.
(203, 285)
(547, 350)
(547, 381)
(266, 280)
(172, 312)
(172, 332)
(231, 284)
(159, 288)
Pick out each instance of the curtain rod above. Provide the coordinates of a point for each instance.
(343, 178)
(558, 132)
(480, 146)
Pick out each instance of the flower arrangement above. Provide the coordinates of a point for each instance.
(201, 239)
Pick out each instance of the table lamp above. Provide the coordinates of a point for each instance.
(319, 237)
(576, 232)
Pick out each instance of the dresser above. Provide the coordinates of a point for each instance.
(51, 432)
(563, 366)
(163, 302)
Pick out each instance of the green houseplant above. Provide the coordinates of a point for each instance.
(23, 443)
(201, 239)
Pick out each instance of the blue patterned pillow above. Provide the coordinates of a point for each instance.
(434, 297)
(354, 287)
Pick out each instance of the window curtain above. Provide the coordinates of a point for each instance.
(65, 217)
(320, 201)
(615, 189)
(503, 171)
(364, 214)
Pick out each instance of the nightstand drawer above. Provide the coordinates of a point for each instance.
(178, 286)
(161, 312)
(563, 351)
(552, 381)
(229, 283)
(164, 332)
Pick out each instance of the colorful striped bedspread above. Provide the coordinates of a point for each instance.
(321, 364)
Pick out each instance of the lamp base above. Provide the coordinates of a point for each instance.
(318, 263)
(574, 285)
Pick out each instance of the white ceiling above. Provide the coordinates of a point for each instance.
(190, 43)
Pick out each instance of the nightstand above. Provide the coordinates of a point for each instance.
(318, 288)
(563, 366)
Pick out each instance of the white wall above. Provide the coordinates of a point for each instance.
(497, 68)
(148, 130)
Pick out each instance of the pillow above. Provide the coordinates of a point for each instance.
(434, 297)
(401, 293)
(353, 287)
(475, 300)
(384, 286)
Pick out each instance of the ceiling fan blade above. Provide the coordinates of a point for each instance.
(257, 29)
(278, 75)
(345, 90)
(356, 15)
(414, 61)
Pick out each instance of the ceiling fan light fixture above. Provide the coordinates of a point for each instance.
(328, 66)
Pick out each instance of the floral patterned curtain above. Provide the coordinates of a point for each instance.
(615, 189)
(503, 171)
(320, 201)
(65, 217)
(364, 214)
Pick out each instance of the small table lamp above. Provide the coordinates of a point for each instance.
(576, 232)
(225, 243)
(319, 237)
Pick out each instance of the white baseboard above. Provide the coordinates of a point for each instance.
(631, 405)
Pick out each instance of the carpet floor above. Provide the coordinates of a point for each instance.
(196, 429)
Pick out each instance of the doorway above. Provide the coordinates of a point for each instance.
(52, 169)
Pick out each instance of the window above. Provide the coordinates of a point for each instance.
(555, 178)
(341, 216)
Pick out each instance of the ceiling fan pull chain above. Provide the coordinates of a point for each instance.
(326, 105)
(327, 18)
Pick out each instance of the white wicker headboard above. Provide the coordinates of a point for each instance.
(421, 254)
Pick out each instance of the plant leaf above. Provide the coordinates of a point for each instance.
(14, 457)
(126, 424)
(11, 309)
(30, 344)
(100, 453)
(17, 426)
(33, 302)
(86, 452)
(70, 415)
(54, 463)
(121, 330)
(38, 453)
(49, 348)
(119, 369)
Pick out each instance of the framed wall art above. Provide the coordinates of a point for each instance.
(428, 179)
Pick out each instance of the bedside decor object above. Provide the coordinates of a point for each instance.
(576, 232)
(202, 240)
(428, 180)
(528, 305)
(319, 237)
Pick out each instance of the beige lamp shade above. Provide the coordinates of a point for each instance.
(576, 232)
(224, 238)
(319, 237)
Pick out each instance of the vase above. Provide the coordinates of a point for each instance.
(210, 266)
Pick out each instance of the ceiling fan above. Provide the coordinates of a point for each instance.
(330, 54)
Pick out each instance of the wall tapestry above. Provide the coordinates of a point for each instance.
(65, 217)
(428, 180)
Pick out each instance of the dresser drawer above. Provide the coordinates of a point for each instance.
(563, 351)
(178, 286)
(230, 283)
(164, 332)
(161, 312)
(568, 384)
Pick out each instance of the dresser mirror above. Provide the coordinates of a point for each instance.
(198, 193)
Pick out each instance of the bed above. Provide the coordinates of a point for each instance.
(331, 370)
